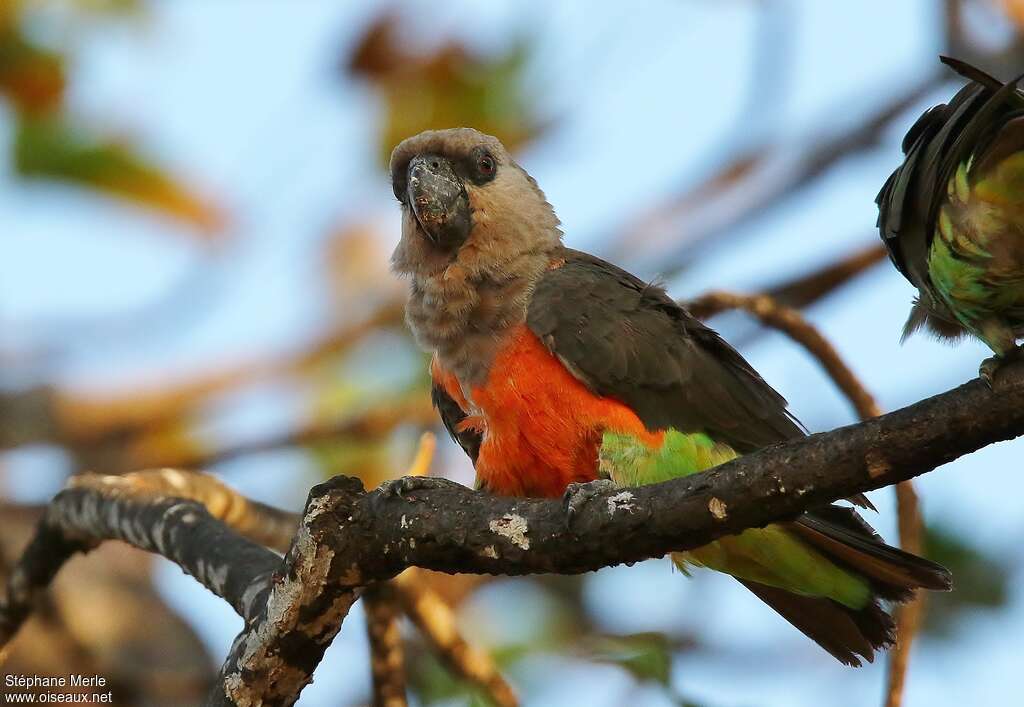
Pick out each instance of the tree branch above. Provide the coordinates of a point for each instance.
(350, 538)
(435, 621)
(367, 537)
(910, 614)
(451, 528)
(387, 656)
(808, 288)
(274, 528)
(98, 508)
(793, 323)
(753, 182)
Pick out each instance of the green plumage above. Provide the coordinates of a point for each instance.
(773, 555)
(952, 215)
(824, 572)
(976, 260)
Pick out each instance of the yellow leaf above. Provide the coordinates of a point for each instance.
(50, 147)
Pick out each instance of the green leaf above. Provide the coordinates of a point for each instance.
(646, 656)
(980, 580)
(433, 683)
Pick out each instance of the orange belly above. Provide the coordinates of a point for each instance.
(541, 426)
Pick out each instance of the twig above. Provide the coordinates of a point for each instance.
(77, 420)
(808, 289)
(370, 424)
(793, 323)
(909, 615)
(755, 181)
(257, 522)
(387, 656)
(424, 455)
(790, 321)
(436, 622)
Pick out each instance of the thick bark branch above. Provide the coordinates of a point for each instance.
(366, 537)
(350, 538)
(456, 530)
(274, 657)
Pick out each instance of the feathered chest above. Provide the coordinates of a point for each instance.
(464, 320)
(539, 426)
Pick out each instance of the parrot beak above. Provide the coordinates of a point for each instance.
(438, 200)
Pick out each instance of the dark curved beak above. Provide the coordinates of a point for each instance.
(438, 200)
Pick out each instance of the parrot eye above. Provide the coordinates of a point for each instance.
(486, 165)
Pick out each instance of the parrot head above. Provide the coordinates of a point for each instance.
(465, 200)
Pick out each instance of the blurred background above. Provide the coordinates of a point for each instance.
(195, 225)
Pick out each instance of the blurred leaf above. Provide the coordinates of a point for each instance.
(1014, 9)
(371, 416)
(52, 148)
(355, 261)
(369, 459)
(32, 77)
(646, 656)
(118, 7)
(445, 88)
(433, 683)
(979, 580)
(171, 444)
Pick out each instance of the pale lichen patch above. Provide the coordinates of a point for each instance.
(512, 527)
(490, 551)
(718, 508)
(317, 506)
(621, 502)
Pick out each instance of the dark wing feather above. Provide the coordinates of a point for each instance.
(451, 415)
(944, 137)
(628, 340)
(843, 536)
(845, 539)
(847, 634)
(910, 197)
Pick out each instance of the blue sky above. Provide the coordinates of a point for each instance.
(648, 98)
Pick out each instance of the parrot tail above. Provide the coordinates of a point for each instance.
(847, 540)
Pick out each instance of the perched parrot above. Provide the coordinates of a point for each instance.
(552, 368)
(952, 215)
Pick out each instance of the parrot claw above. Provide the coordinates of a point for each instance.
(987, 370)
(990, 366)
(578, 495)
(398, 488)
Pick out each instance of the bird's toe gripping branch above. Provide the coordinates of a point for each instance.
(401, 487)
(991, 366)
(578, 495)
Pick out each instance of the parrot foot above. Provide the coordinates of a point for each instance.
(991, 365)
(398, 488)
(578, 495)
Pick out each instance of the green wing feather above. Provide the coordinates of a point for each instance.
(773, 555)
